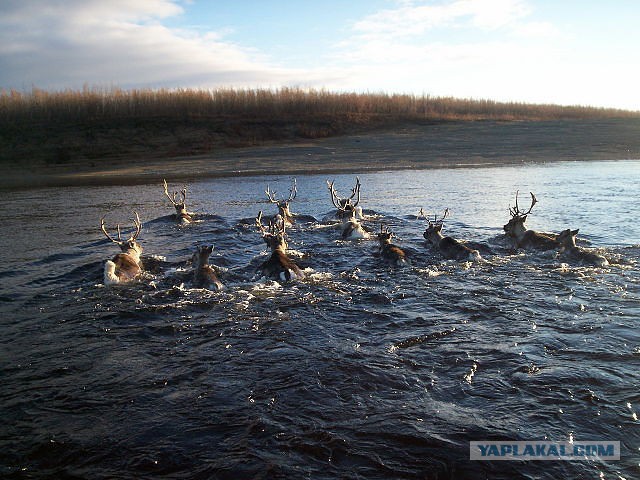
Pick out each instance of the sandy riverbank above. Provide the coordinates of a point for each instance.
(408, 147)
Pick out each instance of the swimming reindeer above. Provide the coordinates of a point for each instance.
(204, 275)
(125, 266)
(390, 252)
(345, 206)
(182, 216)
(567, 239)
(283, 205)
(347, 213)
(523, 237)
(449, 247)
(279, 266)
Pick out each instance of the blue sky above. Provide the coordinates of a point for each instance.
(542, 51)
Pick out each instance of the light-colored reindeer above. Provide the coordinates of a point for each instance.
(345, 206)
(279, 266)
(283, 205)
(182, 216)
(449, 247)
(125, 266)
(347, 213)
(567, 239)
(523, 237)
(204, 275)
(390, 252)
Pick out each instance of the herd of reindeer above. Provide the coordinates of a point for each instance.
(347, 217)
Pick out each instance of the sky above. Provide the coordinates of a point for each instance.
(569, 52)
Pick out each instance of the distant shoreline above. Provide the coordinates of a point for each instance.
(409, 146)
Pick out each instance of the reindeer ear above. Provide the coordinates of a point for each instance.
(575, 232)
(524, 219)
(438, 227)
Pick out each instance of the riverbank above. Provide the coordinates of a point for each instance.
(409, 146)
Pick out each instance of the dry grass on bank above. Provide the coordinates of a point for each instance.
(288, 103)
(94, 125)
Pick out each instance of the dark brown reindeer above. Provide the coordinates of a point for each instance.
(390, 252)
(279, 266)
(567, 238)
(346, 207)
(125, 266)
(523, 237)
(449, 247)
(204, 275)
(283, 205)
(182, 216)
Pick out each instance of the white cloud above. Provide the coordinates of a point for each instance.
(65, 44)
(412, 19)
(464, 48)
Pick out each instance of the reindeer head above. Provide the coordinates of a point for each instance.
(201, 256)
(518, 217)
(130, 245)
(433, 233)
(385, 235)
(567, 238)
(283, 205)
(275, 235)
(346, 208)
(180, 206)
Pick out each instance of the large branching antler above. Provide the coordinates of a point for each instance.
(355, 192)
(271, 194)
(137, 225)
(172, 198)
(334, 195)
(104, 230)
(436, 220)
(261, 227)
(293, 191)
(515, 211)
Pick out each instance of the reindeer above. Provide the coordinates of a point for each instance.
(344, 206)
(124, 266)
(283, 205)
(279, 266)
(567, 238)
(449, 247)
(182, 216)
(347, 213)
(204, 275)
(390, 252)
(527, 238)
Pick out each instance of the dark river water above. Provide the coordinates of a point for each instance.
(359, 371)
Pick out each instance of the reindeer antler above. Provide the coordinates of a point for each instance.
(104, 230)
(515, 211)
(166, 192)
(356, 191)
(271, 195)
(334, 195)
(259, 224)
(436, 221)
(138, 224)
(293, 191)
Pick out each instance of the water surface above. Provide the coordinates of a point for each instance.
(359, 371)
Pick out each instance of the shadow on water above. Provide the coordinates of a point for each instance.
(361, 370)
